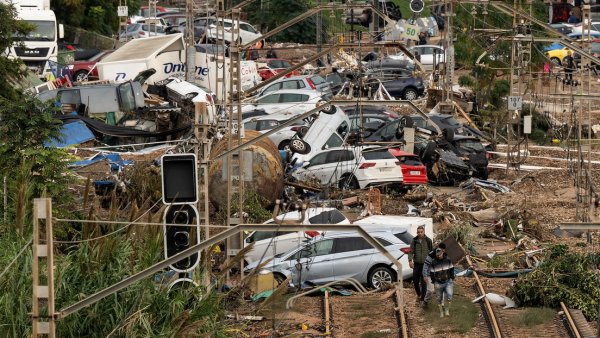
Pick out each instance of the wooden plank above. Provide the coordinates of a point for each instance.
(327, 322)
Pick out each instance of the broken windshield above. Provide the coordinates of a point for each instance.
(43, 31)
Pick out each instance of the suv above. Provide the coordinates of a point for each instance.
(399, 83)
(353, 168)
(471, 149)
(269, 243)
(339, 255)
(305, 82)
(289, 100)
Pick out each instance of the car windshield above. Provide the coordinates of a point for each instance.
(133, 28)
(450, 120)
(153, 28)
(471, 145)
(317, 79)
(279, 64)
(43, 31)
(410, 160)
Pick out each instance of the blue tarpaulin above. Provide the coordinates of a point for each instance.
(72, 133)
(115, 161)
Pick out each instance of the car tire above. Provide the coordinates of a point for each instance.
(329, 110)
(381, 276)
(283, 144)
(410, 94)
(448, 134)
(428, 152)
(407, 121)
(279, 278)
(299, 146)
(348, 182)
(80, 76)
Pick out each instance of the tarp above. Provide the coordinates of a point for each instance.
(72, 133)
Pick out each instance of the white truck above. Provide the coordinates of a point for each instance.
(167, 55)
(40, 47)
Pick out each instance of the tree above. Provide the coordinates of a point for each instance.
(10, 69)
(268, 15)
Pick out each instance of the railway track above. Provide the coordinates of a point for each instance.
(512, 322)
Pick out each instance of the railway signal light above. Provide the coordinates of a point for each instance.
(180, 233)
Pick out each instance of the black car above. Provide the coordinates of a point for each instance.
(445, 121)
(336, 81)
(473, 152)
(398, 82)
(200, 25)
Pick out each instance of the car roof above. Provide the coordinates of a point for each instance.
(294, 91)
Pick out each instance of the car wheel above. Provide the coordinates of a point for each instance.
(348, 182)
(555, 61)
(448, 134)
(406, 121)
(283, 144)
(80, 76)
(330, 109)
(410, 94)
(299, 146)
(381, 276)
(279, 278)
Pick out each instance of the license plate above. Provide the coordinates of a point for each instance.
(385, 169)
(415, 173)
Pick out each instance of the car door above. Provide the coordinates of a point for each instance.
(270, 103)
(314, 263)
(336, 164)
(311, 170)
(295, 103)
(351, 257)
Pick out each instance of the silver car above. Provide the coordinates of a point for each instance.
(307, 82)
(341, 255)
(267, 122)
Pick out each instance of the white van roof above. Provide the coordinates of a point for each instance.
(146, 49)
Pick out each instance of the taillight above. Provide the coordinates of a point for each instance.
(406, 251)
(366, 165)
(311, 84)
(394, 116)
(398, 163)
(311, 233)
(141, 33)
(209, 99)
(296, 129)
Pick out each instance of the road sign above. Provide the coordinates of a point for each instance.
(122, 11)
(515, 102)
(416, 6)
(411, 32)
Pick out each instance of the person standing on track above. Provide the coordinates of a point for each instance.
(442, 275)
(420, 246)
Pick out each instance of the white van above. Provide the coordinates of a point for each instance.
(270, 243)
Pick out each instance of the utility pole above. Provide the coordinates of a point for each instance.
(519, 73)
(189, 41)
(43, 274)
(446, 105)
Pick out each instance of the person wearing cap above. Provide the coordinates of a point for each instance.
(426, 271)
(419, 248)
(441, 272)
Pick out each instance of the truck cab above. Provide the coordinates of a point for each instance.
(40, 46)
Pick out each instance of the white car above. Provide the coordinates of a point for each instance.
(337, 255)
(329, 129)
(265, 123)
(309, 82)
(160, 22)
(269, 243)
(352, 167)
(181, 91)
(247, 32)
(288, 100)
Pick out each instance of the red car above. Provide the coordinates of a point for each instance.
(271, 67)
(80, 69)
(413, 170)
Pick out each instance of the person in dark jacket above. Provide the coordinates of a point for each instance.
(422, 38)
(419, 248)
(442, 275)
(426, 273)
